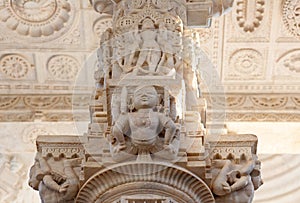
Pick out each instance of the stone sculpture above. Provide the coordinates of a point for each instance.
(147, 133)
(54, 185)
(144, 126)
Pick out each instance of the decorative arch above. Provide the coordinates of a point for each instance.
(134, 178)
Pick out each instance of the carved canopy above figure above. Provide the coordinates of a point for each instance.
(198, 12)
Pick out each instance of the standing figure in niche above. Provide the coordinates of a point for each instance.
(150, 51)
(167, 48)
(144, 125)
(132, 41)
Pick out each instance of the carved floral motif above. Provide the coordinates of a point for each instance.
(41, 102)
(15, 66)
(63, 67)
(292, 62)
(249, 14)
(8, 101)
(269, 102)
(36, 18)
(291, 16)
(246, 64)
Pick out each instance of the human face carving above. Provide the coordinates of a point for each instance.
(145, 98)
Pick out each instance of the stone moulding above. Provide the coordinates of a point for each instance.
(165, 178)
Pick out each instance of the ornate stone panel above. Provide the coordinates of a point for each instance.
(16, 67)
(63, 67)
(288, 65)
(37, 20)
(245, 64)
(249, 21)
(291, 17)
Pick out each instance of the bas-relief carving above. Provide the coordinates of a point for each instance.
(15, 66)
(291, 16)
(288, 64)
(34, 19)
(246, 64)
(249, 14)
(63, 67)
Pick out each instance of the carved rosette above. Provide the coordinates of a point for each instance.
(291, 16)
(15, 66)
(36, 18)
(63, 67)
(246, 64)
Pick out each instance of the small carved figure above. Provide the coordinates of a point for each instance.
(132, 41)
(150, 51)
(105, 51)
(54, 186)
(233, 183)
(144, 125)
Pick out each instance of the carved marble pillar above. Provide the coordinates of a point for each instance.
(147, 139)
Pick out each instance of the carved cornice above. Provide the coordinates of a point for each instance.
(48, 108)
(57, 146)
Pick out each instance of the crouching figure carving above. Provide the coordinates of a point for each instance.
(236, 182)
(55, 186)
(145, 131)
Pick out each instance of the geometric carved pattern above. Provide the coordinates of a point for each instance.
(8, 101)
(63, 67)
(291, 16)
(35, 18)
(41, 102)
(246, 64)
(269, 102)
(296, 100)
(15, 66)
(249, 14)
(170, 180)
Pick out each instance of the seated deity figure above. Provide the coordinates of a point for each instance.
(144, 125)
(150, 51)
